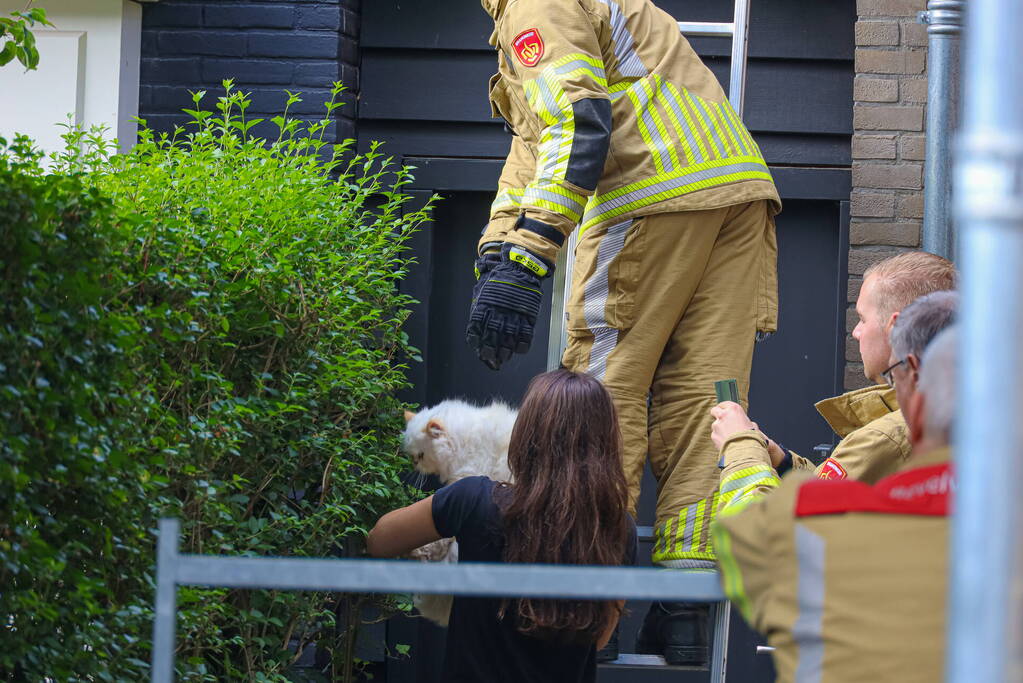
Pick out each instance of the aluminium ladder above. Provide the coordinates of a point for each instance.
(738, 31)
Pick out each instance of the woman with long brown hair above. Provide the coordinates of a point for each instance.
(567, 505)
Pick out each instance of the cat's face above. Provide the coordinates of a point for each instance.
(425, 441)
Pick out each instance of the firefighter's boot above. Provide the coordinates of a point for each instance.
(676, 630)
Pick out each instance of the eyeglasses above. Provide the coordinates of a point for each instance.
(887, 374)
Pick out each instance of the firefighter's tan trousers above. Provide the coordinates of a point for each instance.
(661, 307)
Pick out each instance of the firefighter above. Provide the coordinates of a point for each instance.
(847, 580)
(622, 133)
(872, 428)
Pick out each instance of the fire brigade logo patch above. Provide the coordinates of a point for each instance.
(831, 469)
(528, 47)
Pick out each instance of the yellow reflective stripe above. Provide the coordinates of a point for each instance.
(666, 186)
(731, 575)
(666, 537)
(679, 539)
(672, 109)
(747, 476)
(693, 128)
(509, 198)
(723, 125)
(572, 65)
(644, 131)
(692, 555)
(701, 510)
(742, 487)
(701, 117)
(556, 199)
(747, 140)
(547, 97)
(652, 93)
(555, 144)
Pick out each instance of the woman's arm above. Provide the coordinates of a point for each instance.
(403, 530)
(610, 628)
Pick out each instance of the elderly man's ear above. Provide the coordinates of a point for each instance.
(913, 366)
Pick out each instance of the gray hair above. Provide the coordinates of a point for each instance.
(921, 321)
(938, 383)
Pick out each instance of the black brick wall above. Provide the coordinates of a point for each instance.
(267, 46)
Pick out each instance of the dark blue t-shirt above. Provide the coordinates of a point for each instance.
(480, 647)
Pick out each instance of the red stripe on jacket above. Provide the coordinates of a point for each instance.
(921, 491)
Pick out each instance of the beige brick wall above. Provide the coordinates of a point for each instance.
(889, 100)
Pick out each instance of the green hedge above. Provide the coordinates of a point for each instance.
(209, 327)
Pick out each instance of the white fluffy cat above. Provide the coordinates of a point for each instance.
(454, 440)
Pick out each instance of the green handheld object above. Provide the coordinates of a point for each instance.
(727, 390)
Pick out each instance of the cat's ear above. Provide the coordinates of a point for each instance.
(434, 429)
(409, 415)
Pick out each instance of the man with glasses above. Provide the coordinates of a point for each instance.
(874, 440)
(918, 324)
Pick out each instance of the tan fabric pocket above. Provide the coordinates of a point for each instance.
(504, 104)
(604, 277)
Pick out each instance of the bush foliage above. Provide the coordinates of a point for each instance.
(207, 327)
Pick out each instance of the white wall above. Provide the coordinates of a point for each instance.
(88, 68)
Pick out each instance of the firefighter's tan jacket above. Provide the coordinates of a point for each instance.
(615, 117)
(875, 440)
(846, 580)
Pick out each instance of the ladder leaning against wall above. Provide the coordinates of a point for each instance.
(738, 31)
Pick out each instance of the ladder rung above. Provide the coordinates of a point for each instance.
(707, 28)
(629, 661)
(645, 533)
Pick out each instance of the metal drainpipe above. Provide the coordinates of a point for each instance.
(944, 19)
(986, 555)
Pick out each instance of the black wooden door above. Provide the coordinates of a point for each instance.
(425, 66)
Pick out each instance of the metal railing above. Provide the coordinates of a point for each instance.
(174, 569)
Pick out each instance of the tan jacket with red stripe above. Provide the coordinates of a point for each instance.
(615, 117)
(846, 580)
(875, 440)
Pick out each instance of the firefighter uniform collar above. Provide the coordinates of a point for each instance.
(494, 7)
(854, 409)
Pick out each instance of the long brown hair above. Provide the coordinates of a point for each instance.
(568, 502)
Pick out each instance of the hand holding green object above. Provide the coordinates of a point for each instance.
(727, 390)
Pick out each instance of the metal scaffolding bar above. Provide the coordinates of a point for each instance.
(986, 583)
(391, 576)
(944, 19)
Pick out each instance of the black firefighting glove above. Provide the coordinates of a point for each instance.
(506, 301)
(485, 265)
